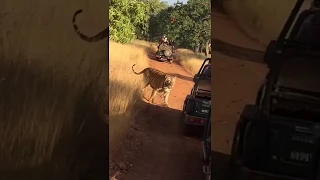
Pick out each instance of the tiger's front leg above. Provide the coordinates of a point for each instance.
(153, 95)
(166, 98)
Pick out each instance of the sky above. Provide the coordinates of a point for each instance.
(171, 2)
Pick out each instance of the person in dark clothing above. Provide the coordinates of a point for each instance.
(163, 40)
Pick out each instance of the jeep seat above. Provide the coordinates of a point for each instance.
(301, 74)
(298, 26)
(206, 72)
(309, 32)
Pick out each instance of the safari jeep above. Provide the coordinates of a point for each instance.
(198, 104)
(166, 52)
(278, 137)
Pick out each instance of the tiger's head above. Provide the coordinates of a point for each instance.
(169, 82)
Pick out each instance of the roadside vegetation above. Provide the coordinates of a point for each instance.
(53, 105)
(135, 29)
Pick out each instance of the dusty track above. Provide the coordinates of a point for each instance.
(236, 76)
(160, 151)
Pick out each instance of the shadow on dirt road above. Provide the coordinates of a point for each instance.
(182, 77)
(219, 165)
(164, 153)
(237, 51)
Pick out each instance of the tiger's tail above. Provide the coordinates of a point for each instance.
(95, 38)
(135, 71)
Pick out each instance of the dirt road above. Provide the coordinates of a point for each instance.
(236, 76)
(156, 148)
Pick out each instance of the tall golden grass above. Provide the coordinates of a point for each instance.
(124, 86)
(190, 61)
(53, 89)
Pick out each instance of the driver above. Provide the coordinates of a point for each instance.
(163, 40)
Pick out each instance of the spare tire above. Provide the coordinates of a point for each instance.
(163, 47)
(167, 52)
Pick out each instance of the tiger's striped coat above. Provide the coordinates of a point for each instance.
(158, 81)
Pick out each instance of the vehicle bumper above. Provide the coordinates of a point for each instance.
(163, 58)
(253, 174)
(193, 120)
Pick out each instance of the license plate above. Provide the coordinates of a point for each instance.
(299, 149)
(298, 156)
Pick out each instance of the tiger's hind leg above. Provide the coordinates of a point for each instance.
(153, 95)
(143, 89)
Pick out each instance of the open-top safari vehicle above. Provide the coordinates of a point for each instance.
(166, 52)
(278, 136)
(206, 148)
(197, 105)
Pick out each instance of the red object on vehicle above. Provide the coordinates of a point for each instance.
(196, 120)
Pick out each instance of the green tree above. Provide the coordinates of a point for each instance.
(183, 23)
(126, 17)
(150, 19)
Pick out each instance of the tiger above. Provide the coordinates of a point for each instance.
(159, 82)
(100, 36)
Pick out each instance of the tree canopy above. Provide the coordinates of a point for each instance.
(151, 19)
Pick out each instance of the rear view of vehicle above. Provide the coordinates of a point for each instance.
(196, 111)
(165, 52)
(278, 137)
(197, 105)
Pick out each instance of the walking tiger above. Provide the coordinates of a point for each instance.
(159, 82)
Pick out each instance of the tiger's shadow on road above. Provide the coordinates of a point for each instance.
(182, 77)
(238, 52)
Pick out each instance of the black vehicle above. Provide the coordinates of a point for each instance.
(166, 52)
(198, 104)
(206, 148)
(278, 136)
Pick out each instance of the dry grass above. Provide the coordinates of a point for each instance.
(53, 89)
(149, 47)
(125, 86)
(189, 60)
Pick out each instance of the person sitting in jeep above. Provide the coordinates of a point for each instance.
(163, 40)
